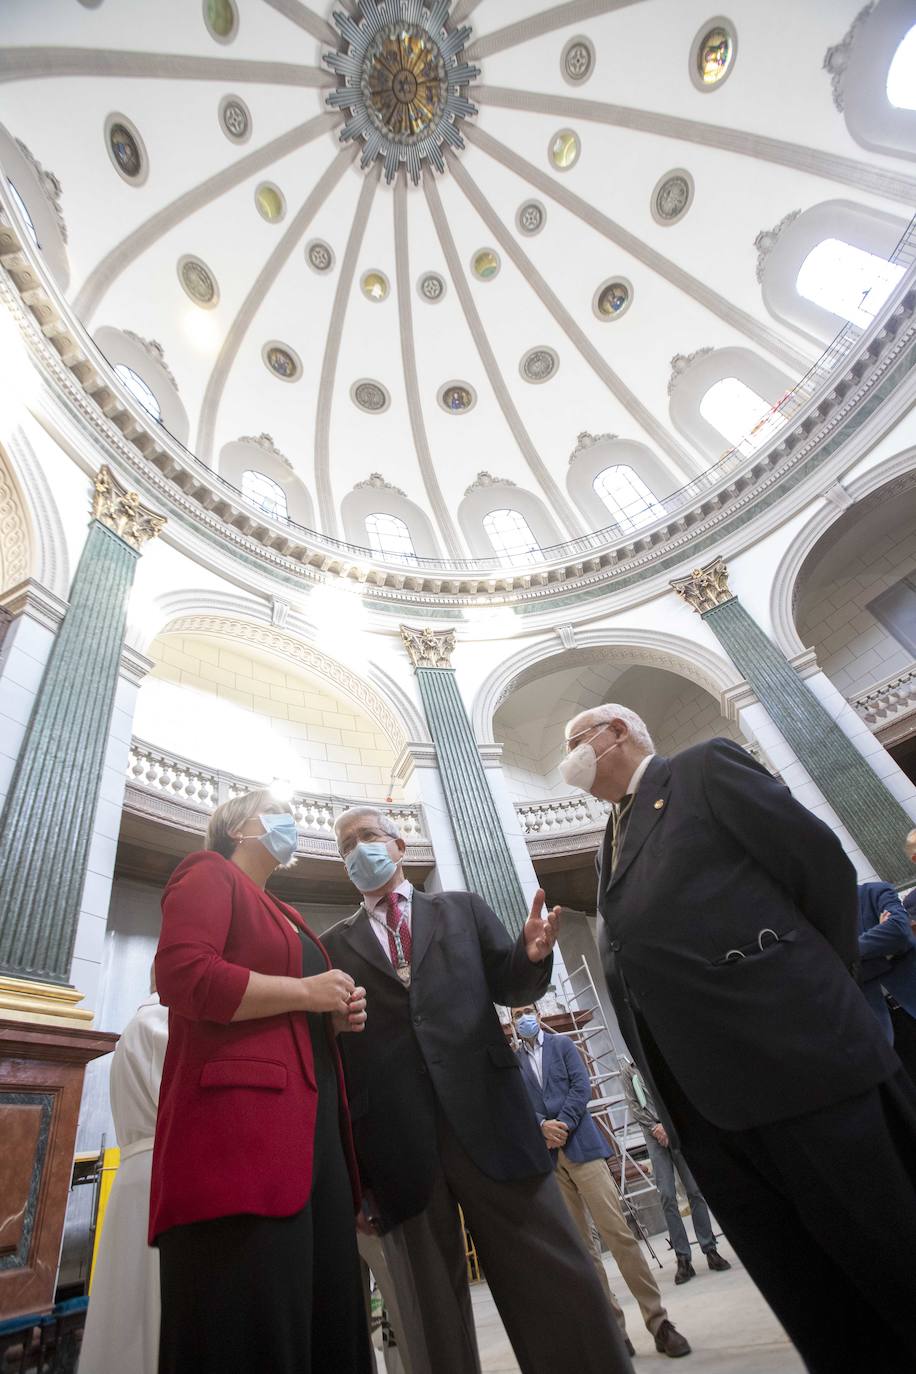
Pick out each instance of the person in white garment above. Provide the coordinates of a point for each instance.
(122, 1323)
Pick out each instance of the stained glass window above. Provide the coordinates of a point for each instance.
(139, 390)
(264, 492)
(847, 281)
(627, 497)
(745, 419)
(390, 537)
(901, 75)
(511, 536)
(24, 213)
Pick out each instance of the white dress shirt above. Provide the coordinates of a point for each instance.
(535, 1052)
(638, 771)
(379, 909)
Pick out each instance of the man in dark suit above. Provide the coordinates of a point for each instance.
(728, 936)
(909, 900)
(887, 952)
(560, 1092)
(441, 1117)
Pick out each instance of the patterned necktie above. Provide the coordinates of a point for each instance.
(397, 923)
(619, 816)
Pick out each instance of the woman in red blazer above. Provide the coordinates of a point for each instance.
(254, 1183)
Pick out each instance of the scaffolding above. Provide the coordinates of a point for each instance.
(608, 1106)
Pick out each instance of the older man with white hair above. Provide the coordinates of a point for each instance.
(441, 1119)
(729, 941)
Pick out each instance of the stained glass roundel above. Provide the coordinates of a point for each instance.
(712, 54)
(564, 150)
(126, 150)
(612, 299)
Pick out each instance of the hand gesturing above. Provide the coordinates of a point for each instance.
(540, 934)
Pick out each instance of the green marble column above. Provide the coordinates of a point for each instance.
(479, 837)
(48, 816)
(873, 817)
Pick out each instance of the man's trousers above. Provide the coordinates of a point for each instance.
(664, 1163)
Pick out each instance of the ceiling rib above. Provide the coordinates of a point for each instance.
(252, 302)
(439, 505)
(303, 17)
(557, 17)
(551, 489)
(110, 267)
(327, 511)
(462, 10)
(685, 464)
(798, 156)
(700, 291)
(22, 64)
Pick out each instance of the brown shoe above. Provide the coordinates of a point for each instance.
(670, 1342)
(715, 1261)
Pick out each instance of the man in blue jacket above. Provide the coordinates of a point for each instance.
(887, 952)
(560, 1092)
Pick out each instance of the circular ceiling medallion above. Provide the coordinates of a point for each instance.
(284, 362)
(375, 286)
(539, 365)
(485, 264)
(612, 299)
(402, 80)
(672, 196)
(530, 218)
(713, 53)
(235, 119)
(126, 149)
(431, 287)
(270, 202)
(221, 18)
(578, 60)
(370, 396)
(198, 281)
(319, 255)
(564, 150)
(457, 397)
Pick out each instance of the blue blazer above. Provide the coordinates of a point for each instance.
(887, 952)
(565, 1096)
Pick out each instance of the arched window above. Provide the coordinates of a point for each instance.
(847, 281)
(389, 536)
(901, 76)
(264, 492)
(511, 536)
(743, 416)
(627, 497)
(24, 213)
(139, 390)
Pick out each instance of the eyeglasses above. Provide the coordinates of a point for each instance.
(575, 740)
(362, 837)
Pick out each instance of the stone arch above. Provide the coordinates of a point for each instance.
(48, 561)
(15, 529)
(649, 648)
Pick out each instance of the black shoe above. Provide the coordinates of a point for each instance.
(685, 1270)
(631, 1348)
(715, 1261)
(670, 1342)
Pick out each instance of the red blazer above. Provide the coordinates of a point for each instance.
(237, 1105)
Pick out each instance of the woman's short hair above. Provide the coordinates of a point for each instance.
(231, 815)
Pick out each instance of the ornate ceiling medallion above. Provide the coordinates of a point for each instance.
(403, 80)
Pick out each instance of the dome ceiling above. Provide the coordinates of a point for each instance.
(238, 185)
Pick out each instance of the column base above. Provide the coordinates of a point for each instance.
(22, 999)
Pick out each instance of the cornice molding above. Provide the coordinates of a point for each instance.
(134, 665)
(39, 603)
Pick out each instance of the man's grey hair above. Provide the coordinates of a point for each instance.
(910, 845)
(385, 823)
(603, 715)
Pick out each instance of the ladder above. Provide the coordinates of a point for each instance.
(609, 1107)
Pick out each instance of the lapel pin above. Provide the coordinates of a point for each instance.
(660, 803)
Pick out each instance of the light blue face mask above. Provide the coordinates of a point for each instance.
(527, 1026)
(280, 837)
(370, 865)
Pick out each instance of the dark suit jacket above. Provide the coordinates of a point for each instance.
(887, 952)
(438, 1044)
(717, 851)
(564, 1095)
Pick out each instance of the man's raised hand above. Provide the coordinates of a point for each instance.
(541, 932)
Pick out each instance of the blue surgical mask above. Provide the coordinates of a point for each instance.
(370, 865)
(280, 837)
(527, 1026)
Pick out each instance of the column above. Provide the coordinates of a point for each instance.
(50, 807)
(874, 818)
(486, 861)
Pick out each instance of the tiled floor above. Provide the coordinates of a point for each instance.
(729, 1326)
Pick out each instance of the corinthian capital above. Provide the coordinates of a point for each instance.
(705, 588)
(120, 511)
(428, 648)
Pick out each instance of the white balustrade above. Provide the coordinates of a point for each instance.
(557, 816)
(885, 701)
